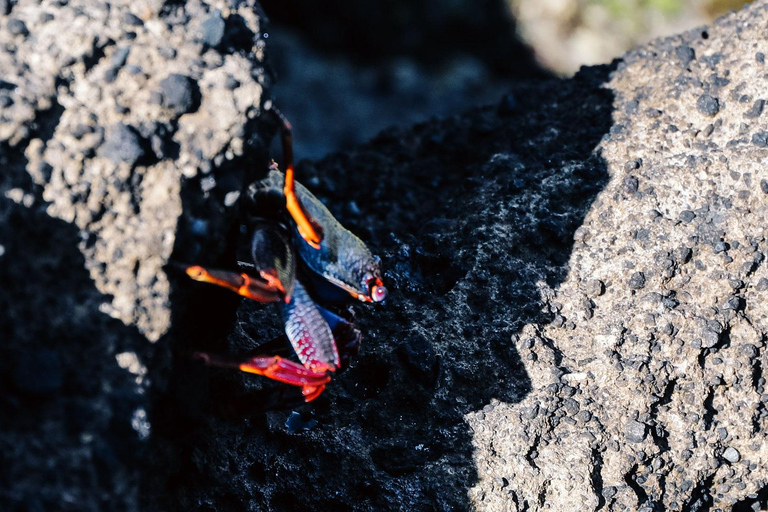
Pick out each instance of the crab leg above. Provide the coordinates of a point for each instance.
(276, 368)
(274, 259)
(242, 284)
(308, 227)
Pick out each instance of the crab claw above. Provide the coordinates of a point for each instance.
(274, 259)
(284, 370)
(242, 284)
(276, 368)
(308, 227)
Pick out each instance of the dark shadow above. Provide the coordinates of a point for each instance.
(347, 70)
(372, 31)
(468, 214)
(66, 407)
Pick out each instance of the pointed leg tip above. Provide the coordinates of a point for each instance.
(312, 392)
(196, 272)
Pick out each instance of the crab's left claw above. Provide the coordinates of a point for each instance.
(308, 227)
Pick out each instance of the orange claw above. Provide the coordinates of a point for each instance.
(312, 392)
(242, 284)
(309, 230)
(284, 370)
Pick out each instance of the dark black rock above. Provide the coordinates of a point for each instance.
(122, 145)
(708, 105)
(419, 357)
(508, 104)
(180, 93)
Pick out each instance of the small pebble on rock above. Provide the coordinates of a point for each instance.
(708, 105)
(634, 431)
(122, 145)
(732, 455)
(179, 93)
(760, 139)
(637, 281)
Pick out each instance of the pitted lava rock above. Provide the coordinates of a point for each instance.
(576, 317)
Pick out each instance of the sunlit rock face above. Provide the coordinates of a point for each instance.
(576, 274)
(648, 389)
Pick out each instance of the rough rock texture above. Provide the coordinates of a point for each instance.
(572, 324)
(648, 389)
(112, 118)
(111, 108)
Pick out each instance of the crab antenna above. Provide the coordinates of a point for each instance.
(308, 228)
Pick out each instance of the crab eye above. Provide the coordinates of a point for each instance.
(378, 293)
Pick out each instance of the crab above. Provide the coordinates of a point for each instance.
(301, 257)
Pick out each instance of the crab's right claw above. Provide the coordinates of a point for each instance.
(275, 368)
(284, 370)
(242, 284)
(274, 259)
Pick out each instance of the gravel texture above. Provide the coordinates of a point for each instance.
(575, 273)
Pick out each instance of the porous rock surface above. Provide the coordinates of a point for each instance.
(575, 276)
(111, 104)
(114, 119)
(648, 389)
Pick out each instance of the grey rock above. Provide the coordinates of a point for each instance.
(17, 27)
(708, 105)
(122, 145)
(180, 93)
(635, 431)
(637, 281)
(212, 30)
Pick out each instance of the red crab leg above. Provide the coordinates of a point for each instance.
(242, 284)
(276, 368)
(308, 227)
